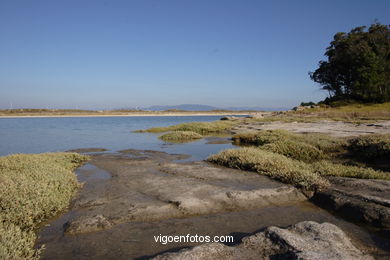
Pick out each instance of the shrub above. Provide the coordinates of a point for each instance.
(271, 164)
(202, 128)
(371, 146)
(306, 147)
(261, 137)
(16, 243)
(180, 136)
(296, 150)
(325, 168)
(323, 142)
(33, 188)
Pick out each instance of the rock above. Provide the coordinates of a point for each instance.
(300, 108)
(87, 224)
(256, 115)
(229, 118)
(305, 240)
(358, 200)
(87, 150)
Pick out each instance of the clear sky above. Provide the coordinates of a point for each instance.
(116, 54)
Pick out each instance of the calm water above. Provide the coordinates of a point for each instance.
(37, 135)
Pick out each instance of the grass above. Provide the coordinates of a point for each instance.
(326, 168)
(202, 128)
(180, 136)
(354, 113)
(371, 146)
(271, 164)
(33, 188)
(304, 159)
(308, 176)
(296, 150)
(305, 147)
(351, 113)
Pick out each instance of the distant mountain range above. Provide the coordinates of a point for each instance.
(197, 107)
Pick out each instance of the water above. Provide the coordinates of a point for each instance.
(38, 135)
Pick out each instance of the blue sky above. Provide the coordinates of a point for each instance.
(116, 54)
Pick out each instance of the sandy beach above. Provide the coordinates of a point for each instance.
(132, 114)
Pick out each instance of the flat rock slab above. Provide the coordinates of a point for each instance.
(143, 189)
(359, 200)
(305, 240)
(333, 128)
(130, 197)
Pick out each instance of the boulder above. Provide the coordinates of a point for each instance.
(87, 224)
(305, 240)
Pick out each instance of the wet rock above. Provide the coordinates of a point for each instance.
(155, 155)
(86, 224)
(218, 140)
(333, 128)
(257, 115)
(305, 240)
(365, 201)
(88, 150)
(229, 118)
(152, 189)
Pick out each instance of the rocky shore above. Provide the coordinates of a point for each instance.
(131, 196)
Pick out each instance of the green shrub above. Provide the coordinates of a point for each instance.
(371, 146)
(16, 243)
(325, 168)
(180, 136)
(295, 150)
(33, 188)
(203, 128)
(271, 164)
(323, 142)
(261, 137)
(306, 147)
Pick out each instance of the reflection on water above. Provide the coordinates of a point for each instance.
(89, 172)
(37, 135)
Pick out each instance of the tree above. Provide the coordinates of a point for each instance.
(358, 65)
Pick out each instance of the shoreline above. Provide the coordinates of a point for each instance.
(132, 115)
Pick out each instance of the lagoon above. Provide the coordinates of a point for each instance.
(53, 134)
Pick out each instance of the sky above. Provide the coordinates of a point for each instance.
(121, 54)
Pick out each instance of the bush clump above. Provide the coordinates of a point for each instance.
(371, 146)
(33, 188)
(202, 128)
(271, 164)
(326, 168)
(261, 137)
(296, 150)
(305, 147)
(180, 136)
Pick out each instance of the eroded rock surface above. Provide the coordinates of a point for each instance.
(130, 197)
(333, 128)
(359, 200)
(305, 240)
(142, 189)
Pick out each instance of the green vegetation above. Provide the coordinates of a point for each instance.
(202, 128)
(180, 136)
(305, 147)
(326, 168)
(349, 113)
(358, 65)
(271, 164)
(296, 150)
(33, 188)
(353, 112)
(371, 146)
(302, 159)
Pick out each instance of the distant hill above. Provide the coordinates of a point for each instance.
(186, 107)
(197, 107)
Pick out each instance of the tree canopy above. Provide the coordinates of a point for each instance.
(357, 65)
